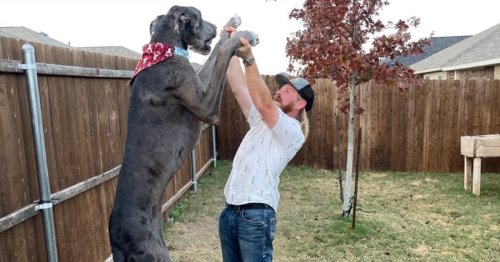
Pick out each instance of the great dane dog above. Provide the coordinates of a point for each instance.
(168, 104)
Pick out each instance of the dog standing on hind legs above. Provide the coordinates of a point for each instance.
(168, 104)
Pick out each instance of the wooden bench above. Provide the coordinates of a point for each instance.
(474, 148)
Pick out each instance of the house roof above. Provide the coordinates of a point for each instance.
(480, 50)
(29, 35)
(436, 45)
(112, 50)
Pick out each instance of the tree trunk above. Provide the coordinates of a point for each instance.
(346, 209)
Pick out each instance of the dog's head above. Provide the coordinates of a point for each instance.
(184, 27)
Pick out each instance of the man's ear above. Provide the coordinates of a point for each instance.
(301, 103)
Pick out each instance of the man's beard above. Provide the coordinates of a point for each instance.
(287, 108)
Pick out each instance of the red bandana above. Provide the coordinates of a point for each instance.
(152, 54)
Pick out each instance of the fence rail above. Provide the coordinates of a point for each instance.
(13, 66)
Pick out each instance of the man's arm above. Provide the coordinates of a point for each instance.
(259, 92)
(237, 82)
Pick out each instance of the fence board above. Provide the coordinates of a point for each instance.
(11, 149)
(19, 243)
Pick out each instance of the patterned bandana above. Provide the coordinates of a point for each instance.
(154, 53)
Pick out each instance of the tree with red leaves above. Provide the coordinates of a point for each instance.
(343, 40)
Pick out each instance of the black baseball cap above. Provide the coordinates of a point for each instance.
(301, 85)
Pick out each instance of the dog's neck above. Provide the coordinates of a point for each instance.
(154, 53)
(181, 52)
(170, 38)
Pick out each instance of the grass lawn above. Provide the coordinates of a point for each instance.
(400, 217)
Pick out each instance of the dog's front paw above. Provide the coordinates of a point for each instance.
(234, 21)
(252, 37)
(255, 39)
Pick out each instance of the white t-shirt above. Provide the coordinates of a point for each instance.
(260, 159)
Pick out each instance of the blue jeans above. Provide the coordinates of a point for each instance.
(247, 234)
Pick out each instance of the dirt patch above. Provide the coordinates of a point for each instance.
(421, 250)
(185, 245)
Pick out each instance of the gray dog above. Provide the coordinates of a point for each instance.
(168, 104)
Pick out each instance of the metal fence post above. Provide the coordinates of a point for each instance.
(193, 170)
(45, 204)
(214, 146)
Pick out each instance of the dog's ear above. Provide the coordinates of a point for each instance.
(180, 17)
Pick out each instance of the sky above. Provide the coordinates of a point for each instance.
(126, 23)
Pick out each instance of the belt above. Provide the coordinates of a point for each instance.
(248, 206)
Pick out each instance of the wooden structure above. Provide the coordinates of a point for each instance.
(474, 148)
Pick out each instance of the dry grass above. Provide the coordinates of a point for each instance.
(400, 217)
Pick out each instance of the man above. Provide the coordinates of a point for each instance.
(278, 128)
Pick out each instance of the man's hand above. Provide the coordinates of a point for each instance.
(245, 50)
(231, 30)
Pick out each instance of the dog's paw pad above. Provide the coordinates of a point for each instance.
(235, 21)
(253, 39)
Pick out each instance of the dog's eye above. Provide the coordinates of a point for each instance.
(196, 26)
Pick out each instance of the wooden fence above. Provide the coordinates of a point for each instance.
(84, 100)
(414, 130)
